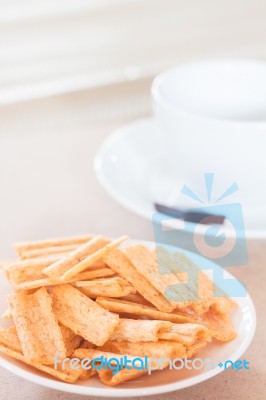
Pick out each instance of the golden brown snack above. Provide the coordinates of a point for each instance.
(111, 287)
(82, 315)
(140, 330)
(66, 263)
(9, 338)
(37, 327)
(153, 330)
(110, 379)
(71, 340)
(123, 306)
(162, 348)
(56, 315)
(49, 251)
(147, 266)
(67, 375)
(86, 275)
(187, 334)
(92, 258)
(117, 260)
(57, 242)
(219, 325)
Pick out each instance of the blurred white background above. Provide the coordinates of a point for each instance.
(72, 71)
(50, 47)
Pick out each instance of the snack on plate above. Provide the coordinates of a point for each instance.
(89, 297)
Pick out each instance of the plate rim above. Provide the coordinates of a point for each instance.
(135, 392)
(124, 131)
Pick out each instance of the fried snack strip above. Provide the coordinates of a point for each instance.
(127, 307)
(136, 298)
(48, 251)
(9, 338)
(36, 325)
(162, 348)
(91, 274)
(67, 375)
(199, 285)
(82, 315)
(152, 331)
(187, 334)
(58, 242)
(58, 269)
(28, 270)
(147, 266)
(71, 340)
(135, 330)
(108, 378)
(219, 325)
(106, 375)
(123, 267)
(111, 287)
(31, 270)
(92, 258)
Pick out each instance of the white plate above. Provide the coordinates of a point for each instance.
(137, 166)
(244, 319)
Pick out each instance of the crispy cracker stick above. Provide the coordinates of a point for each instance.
(136, 298)
(9, 338)
(219, 325)
(140, 330)
(187, 334)
(37, 328)
(32, 263)
(147, 266)
(38, 264)
(58, 269)
(92, 258)
(200, 286)
(86, 275)
(109, 378)
(223, 305)
(123, 267)
(48, 251)
(162, 348)
(42, 244)
(111, 287)
(28, 270)
(71, 340)
(68, 375)
(122, 306)
(82, 315)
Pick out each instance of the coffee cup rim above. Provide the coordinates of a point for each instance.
(159, 98)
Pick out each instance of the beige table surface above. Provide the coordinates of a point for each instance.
(48, 188)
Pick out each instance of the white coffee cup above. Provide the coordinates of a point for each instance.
(215, 112)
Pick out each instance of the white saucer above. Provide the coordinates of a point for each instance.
(138, 166)
(244, 321)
